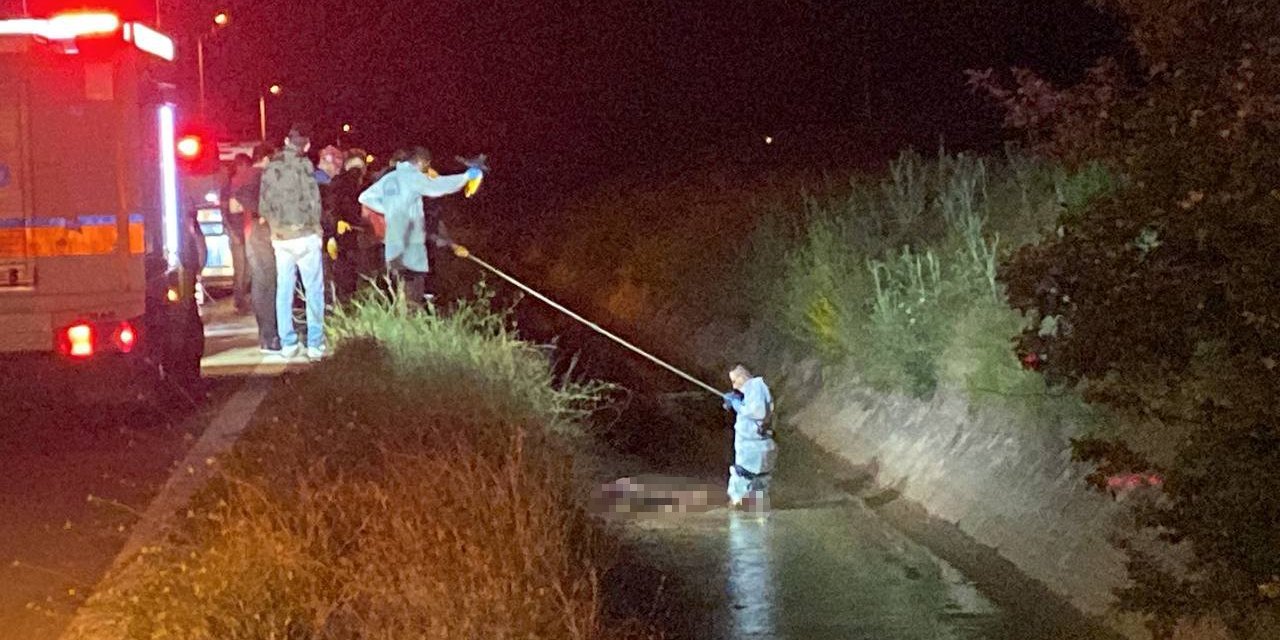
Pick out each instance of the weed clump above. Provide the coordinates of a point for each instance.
(418, 484)
(896, 276)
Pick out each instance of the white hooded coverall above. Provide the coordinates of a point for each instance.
(753, 452)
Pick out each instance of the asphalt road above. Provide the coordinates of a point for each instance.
(79, 461)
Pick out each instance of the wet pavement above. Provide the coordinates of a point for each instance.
(814, 573)
(822, 565)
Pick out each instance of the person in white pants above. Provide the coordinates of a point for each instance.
(290, 203)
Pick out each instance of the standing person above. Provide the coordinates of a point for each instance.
(398, 196)
(246, 188)
(754, 451)
(349, 225)
(290, 202)
(397, 156)
(328, 167)
(233, 222)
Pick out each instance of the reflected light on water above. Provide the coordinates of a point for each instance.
(750, 577)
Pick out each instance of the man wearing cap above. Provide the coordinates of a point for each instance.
(290, 203)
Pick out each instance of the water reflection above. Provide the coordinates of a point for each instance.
(750, 577)
(819, 572)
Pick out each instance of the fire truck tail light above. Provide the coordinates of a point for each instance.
(126, 337)
(79, 341)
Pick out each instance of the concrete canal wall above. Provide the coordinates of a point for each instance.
(1009, 486)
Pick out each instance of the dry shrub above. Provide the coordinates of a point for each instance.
(380, 499)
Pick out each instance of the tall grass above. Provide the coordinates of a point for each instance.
(416, 485)
(895, 275)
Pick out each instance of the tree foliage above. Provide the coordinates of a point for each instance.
(1162, 299)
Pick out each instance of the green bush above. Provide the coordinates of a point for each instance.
(419, 484)
(895, 276)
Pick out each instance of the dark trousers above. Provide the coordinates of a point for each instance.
(262, 265)
(243, 279)
(346, 268)
(416, 285)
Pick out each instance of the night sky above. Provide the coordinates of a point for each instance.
(573, 92)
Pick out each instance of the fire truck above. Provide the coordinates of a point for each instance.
(98, 257)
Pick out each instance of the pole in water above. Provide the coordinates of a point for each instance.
(462, 252)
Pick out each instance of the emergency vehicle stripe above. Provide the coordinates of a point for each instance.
(66, 222)
(83, 235)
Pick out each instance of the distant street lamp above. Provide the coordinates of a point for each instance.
(220, 20)
(274, 90)
(346, 128)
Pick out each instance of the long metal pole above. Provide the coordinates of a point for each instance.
(592, 325)
(200, 65)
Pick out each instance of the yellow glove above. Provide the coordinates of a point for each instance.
(461, 251)
(343, 227)
(472, 186)
(432, 173)
(332, 248)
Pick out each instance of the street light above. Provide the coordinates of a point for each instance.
(274, 90)
(220, 20)
(346, 128)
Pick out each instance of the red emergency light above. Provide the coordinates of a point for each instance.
(83, 340)
(196, 150)
(126, 337)
(77, 341)
(69, 27)
(189, 147)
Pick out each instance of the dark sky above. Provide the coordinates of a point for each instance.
(588, 89)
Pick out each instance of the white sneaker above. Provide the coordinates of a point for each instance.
(289, 351)
(315, 353)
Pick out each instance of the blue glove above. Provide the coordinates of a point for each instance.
(474, 172)
(730, 400)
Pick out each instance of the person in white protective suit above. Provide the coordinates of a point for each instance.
(755, 452)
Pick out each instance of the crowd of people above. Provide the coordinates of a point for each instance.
(335, 224)
(338, 225)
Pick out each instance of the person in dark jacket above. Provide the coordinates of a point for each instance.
(349, 226)
(290, 202)
(245, 189)
(233, 223)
